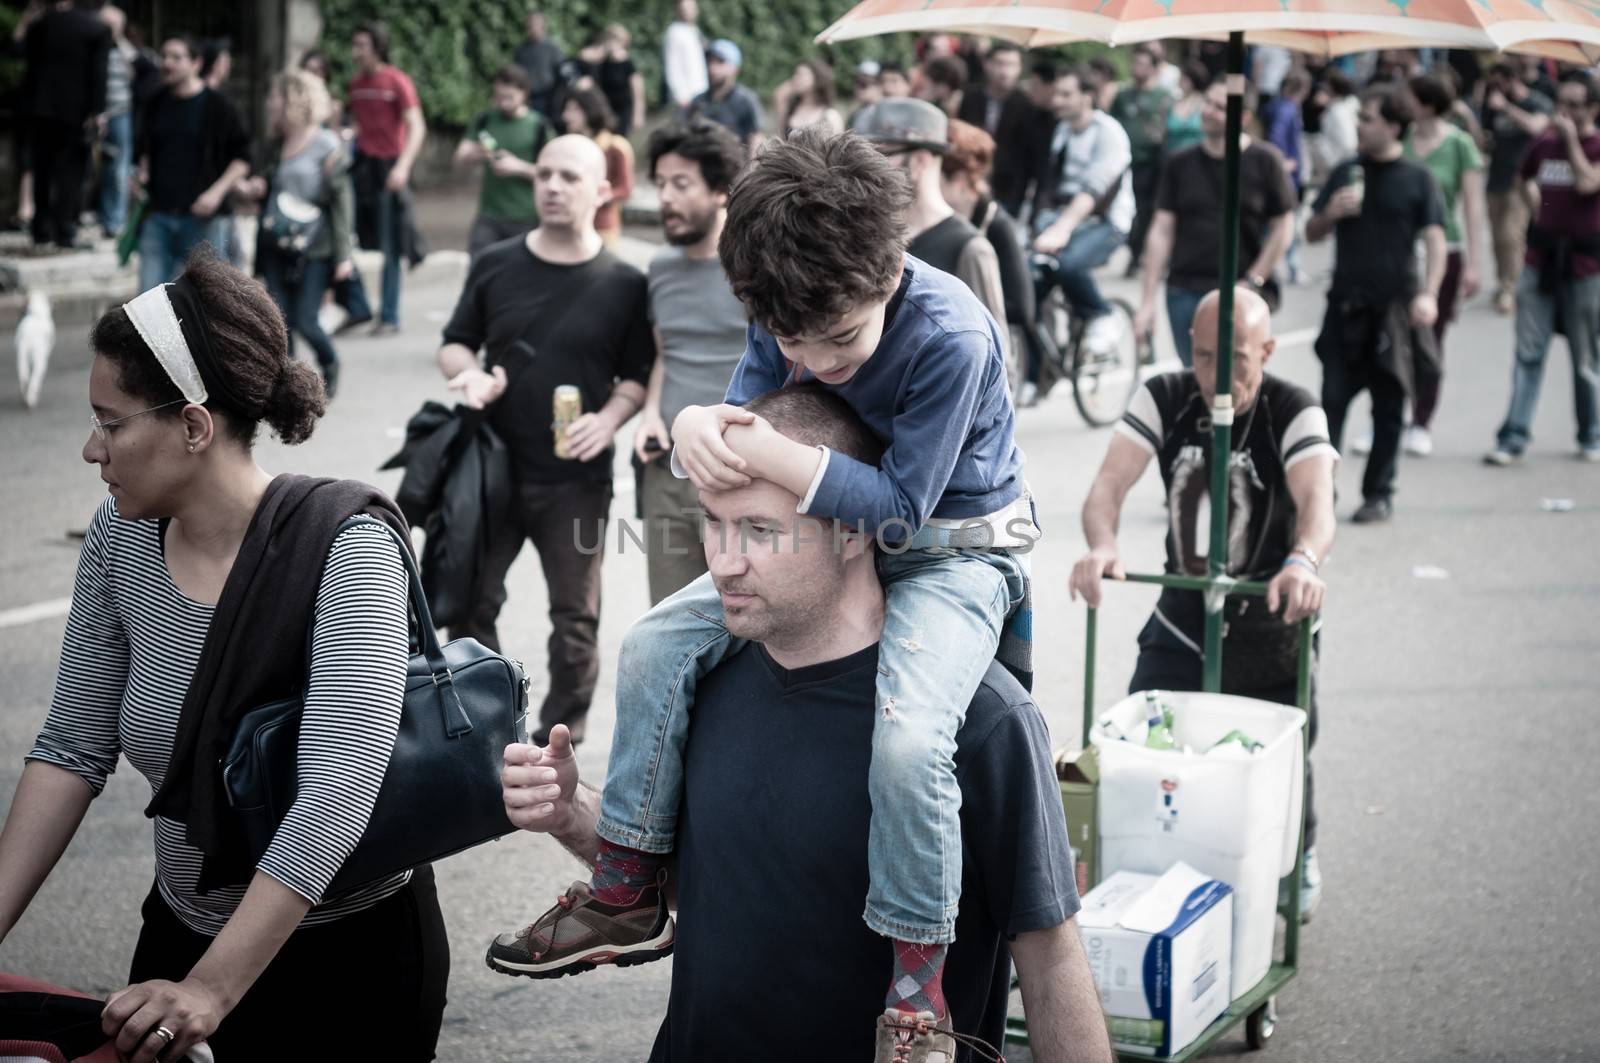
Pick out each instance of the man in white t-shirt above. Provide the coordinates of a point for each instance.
(684, 56)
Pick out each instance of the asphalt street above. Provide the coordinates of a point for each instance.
(1455, 769)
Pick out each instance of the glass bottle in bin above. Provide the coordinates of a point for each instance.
(567, 407)
(1158, 719)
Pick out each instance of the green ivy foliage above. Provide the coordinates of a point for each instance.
(451, 48)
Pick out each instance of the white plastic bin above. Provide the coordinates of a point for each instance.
(1232, 814)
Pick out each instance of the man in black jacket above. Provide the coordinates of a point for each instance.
(191, 151)
(1020, 129)
(65, 91)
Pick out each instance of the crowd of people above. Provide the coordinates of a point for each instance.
(824, 361)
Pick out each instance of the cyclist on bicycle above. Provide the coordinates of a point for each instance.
(1083, 207)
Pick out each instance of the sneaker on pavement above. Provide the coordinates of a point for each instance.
(1589, 452)
(580, 933)
(350, 324)
(1374, 511)
(384, 328)
(1505, 302)
(1102, 335)
(1361, 442)
(1502, 456)
(1419, 441)
(1310, 886)
(922, 1037)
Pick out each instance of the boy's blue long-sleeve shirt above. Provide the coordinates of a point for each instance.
(935, 392)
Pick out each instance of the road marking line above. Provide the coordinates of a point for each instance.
(29, 614)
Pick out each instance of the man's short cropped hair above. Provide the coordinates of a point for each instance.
(512, 74)
(816, 227)
(815, 416)
(1394, 106)
(1591, 90)
(1090, 80)
(999, 47)
(378, 34)
(946, 70)
(708, 144)
(1433, 92)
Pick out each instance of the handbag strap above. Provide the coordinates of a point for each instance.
(456, 722)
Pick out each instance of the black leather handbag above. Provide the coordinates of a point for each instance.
(440, 795)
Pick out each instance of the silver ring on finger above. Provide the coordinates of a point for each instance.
(165, 1034)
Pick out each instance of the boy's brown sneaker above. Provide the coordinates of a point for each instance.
(922, 1037)
(580, 933)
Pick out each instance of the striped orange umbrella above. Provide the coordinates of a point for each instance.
(1560, 29)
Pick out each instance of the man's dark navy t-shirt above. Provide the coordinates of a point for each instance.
(773, 960)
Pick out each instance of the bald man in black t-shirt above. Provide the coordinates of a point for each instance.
(1280, 520)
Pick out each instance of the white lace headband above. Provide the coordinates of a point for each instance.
(157, 323)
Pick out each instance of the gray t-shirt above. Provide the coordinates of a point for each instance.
(702, 326)
(303, 174)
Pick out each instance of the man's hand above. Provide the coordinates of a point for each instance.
(1144, 319)
(137, 179)
(252, 188)
(1090, 570)
(1563, 124)
(479, 389)
(1495, 100)
(505, 164)
(1345, 203)
(1299, 590)
(208, 204)
(651, 426)
(1053, 239)
(705, 456)
(472, 151)
(538, 785)
(590, 435)
(1470, 280)
(398, 177)
(188, 1010)
(342, 271)
(1424, 310)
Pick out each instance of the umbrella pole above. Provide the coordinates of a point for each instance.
(1222, 405)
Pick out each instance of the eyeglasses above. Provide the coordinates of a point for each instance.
(100, 426)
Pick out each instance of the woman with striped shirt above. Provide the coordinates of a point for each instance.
(185, 564)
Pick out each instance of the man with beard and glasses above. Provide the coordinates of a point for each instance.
(699, 331)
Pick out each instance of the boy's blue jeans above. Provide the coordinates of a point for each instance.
(943, 613)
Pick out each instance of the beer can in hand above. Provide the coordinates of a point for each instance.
(567, 407)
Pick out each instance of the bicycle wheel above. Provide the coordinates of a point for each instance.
(1103, 383)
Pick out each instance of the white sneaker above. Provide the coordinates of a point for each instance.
(1590, 452)
(1419, 441)
(1310, 886)
(1502, 456)
(1103, 335)
(1361, 442)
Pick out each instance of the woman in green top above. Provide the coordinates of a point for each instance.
(1183, 120)
(1453, 159)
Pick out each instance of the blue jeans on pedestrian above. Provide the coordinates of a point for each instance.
(165, 241)
(1181, 305)
(1092, 244)
(389, 242)
(943, 613)
(296, 285)
(116, 163)
(1578, 301)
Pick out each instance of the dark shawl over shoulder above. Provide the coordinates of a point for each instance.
(255, 652)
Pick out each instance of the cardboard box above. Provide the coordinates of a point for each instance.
(1160, 948)
(1079, 773)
